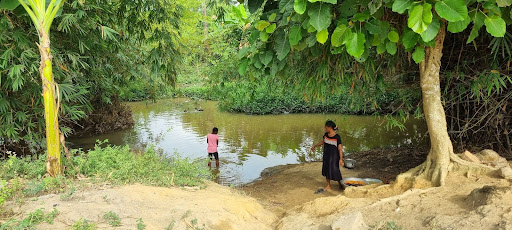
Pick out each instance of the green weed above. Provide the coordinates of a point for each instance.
(32, 219)
(112, 218)
(120, 166)
(140, 224)
(83, 224)
(171, 225)
(390, 225)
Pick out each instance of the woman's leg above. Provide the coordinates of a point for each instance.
(342, 187)
(328, 184)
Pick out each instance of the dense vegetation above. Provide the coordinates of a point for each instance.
(101, 51)
(262, 57)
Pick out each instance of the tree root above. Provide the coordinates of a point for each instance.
(428, 175)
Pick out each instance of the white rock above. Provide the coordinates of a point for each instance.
(506, 172)
(470, 157)
(352, 221)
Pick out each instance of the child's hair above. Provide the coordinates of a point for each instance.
(215, 130)
(331, 124)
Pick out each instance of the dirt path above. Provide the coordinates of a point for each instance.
(466, 202)
(215, 207)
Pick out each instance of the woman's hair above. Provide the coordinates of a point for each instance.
(331, 124)
(215, 130)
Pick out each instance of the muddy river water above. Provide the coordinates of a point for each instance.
(249, 143)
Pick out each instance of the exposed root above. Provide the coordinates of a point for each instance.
(429, 175)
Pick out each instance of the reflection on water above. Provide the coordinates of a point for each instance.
(249, 143)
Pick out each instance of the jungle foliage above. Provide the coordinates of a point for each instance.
(99, 49)
(363, 42)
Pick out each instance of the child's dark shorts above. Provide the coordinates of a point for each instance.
(212, 155)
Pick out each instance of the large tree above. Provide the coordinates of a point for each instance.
(330, 29)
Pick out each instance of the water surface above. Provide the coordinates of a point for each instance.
(250, 143)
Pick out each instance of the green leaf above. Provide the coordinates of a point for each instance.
(391, 48)
(257, 63)
(393, 36)
(452, 10)
(361, 17)
(261, 25)
(504, 3)
(381, 48)
(432, 30)
(300, 6)
(409, 39)
(311, 29)
(282, 45)
(311, 40)
(272, 17)
(263, 36)
(373, 26)
(301, 46)
(374, 6)
(355, 45)
(420, 17)
(9, 4)
(295, 35)
(322, 36)
(496, 26)
(341, 35)
(348, 8)
(457, 27)
(270, 29)
(326, 1)
(243, 52)
(242, 66)
(419, 54)
(320, 16)
(266, 57)
(400, 6)
(478, 21)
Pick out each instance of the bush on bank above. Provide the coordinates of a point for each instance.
(25, 176)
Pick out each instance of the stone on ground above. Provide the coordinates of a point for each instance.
(506, 173)
(468, 156)
(352, 221)
(492, 158)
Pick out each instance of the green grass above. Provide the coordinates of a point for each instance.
(140, 224)
(83, 224)
(118, 165)
(32, 219)
(112, 218)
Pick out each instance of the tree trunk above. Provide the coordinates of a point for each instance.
(438, 159)
(53, 165)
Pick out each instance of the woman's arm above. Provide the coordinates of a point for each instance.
(317, 145)
(340, 150)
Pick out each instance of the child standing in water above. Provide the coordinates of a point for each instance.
(333, 155)
(213, 142)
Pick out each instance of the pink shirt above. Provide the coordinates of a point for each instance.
(213, 140)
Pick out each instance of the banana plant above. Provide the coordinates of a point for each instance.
(42, 13)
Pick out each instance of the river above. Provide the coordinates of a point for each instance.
(249, 143)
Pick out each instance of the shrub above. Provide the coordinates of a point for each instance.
(32, 219)
(28, 167)
(83, 224)
(112, 218)
(121, 166)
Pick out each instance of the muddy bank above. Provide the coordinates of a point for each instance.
(281, 188)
